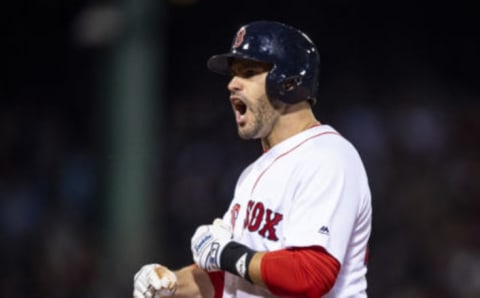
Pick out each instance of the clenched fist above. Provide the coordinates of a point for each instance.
(154, 281)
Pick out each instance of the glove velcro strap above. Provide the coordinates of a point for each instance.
(236, 258)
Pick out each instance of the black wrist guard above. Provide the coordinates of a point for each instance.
(236, 258)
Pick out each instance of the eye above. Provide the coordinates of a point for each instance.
(248, 69)
(248, 73)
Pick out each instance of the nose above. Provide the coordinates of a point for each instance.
(234, 84)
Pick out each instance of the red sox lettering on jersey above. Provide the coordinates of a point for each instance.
(262, 219)
(259, 219)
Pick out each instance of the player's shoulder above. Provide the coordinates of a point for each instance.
(324, 144)
(327, 139)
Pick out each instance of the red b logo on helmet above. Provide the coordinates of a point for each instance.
(239, 38)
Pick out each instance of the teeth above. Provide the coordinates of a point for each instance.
(240, 117)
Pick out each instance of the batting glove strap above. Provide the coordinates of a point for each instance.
(208, 243)
(236, 259)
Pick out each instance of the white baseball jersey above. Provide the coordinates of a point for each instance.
(310, 189)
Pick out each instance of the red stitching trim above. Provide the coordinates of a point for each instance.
(285, 153)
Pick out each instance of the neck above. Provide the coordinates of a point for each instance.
(293, 120)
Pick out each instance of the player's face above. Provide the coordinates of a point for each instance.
(254, 113)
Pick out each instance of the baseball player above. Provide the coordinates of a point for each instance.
(300, 218)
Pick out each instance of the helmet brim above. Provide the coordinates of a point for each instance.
(220, 63)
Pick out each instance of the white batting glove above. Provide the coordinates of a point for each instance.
(208, 242)
(154, 281)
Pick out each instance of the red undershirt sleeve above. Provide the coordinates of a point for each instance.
(218, 279)
(299, 272)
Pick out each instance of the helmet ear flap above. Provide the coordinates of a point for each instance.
(287, 89)
(291, 83)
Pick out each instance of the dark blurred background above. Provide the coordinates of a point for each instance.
(116, 142)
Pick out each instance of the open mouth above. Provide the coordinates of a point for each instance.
(240, 107)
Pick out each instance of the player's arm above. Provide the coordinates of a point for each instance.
(155, 280)
(297, 272)
(193, 282)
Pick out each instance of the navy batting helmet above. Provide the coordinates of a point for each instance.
(294, 58)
